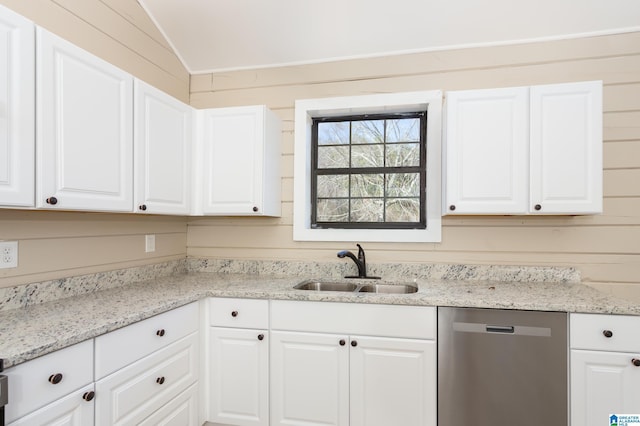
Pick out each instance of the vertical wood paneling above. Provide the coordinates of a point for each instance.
(605, 248)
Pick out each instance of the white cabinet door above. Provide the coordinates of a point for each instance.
(76, 409)
(17, 110)
(239, 376)
(525, 150)
(309, 379)
(240, 161)
(162, 152)
(566, 148)
(603, 383)
(393, 382)
(487, 151)
(84, 127)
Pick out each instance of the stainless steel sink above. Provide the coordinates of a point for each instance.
(388, 288)
(355, 287)
(326, 286)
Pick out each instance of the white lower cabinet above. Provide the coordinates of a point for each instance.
(180, 411)
(144, 369)
(75, 409)
(51, 388)
(309, 379)
(352, 377)
(238, 362)
(137, 391)
(391, 381)
(605, 367)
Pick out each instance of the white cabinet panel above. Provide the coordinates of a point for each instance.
(17, 110)
(239, 376)
(84, 129)
(619, 333)
(603, 383)
(486, 151)
(525, 150)
(180, 411)
(163, 128)
(133, 393)
(566, 148)
(46, 379)
(393, 381)
(330, 378)
(240, 161)
(309, 379)
(239, 313)
(76, 409)
(121, 347)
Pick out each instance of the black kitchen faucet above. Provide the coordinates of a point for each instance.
(360, 261)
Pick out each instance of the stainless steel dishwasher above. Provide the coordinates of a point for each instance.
(502, 367)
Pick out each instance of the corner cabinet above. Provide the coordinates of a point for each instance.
(352, 364)
(17, 116)
(605, 367)
(524, 150)
(163, 132)
(239, 155)
(84, 129)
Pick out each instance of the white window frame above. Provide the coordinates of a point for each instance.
(307, 109)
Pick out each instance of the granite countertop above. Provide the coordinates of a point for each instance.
(35, 330)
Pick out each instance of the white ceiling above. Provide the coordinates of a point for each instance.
(216, 35)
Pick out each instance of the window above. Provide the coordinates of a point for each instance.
(368, 171)
(356, 173)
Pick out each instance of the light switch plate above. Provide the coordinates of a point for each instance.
(149, 243)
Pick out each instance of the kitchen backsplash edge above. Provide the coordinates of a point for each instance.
(45, 291)
(389, 271)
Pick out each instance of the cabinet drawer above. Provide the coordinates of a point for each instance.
(136, 391)
(31, 385)
(182, 410)
(121, 347)
(417, 322)
(239, 313)
(590, 331)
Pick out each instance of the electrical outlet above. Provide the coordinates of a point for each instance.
(149, 243)
(8, 254)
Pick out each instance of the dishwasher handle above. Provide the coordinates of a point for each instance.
(507, 329)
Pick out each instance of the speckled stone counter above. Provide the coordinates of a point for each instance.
(37, 329)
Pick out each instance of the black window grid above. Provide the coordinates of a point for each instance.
(384, 170)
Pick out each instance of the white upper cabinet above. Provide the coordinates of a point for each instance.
(84, 129)
(486, 149)
(17, 110)
(525, 150)
(163, 129)
(240, 162)
(566, 148)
